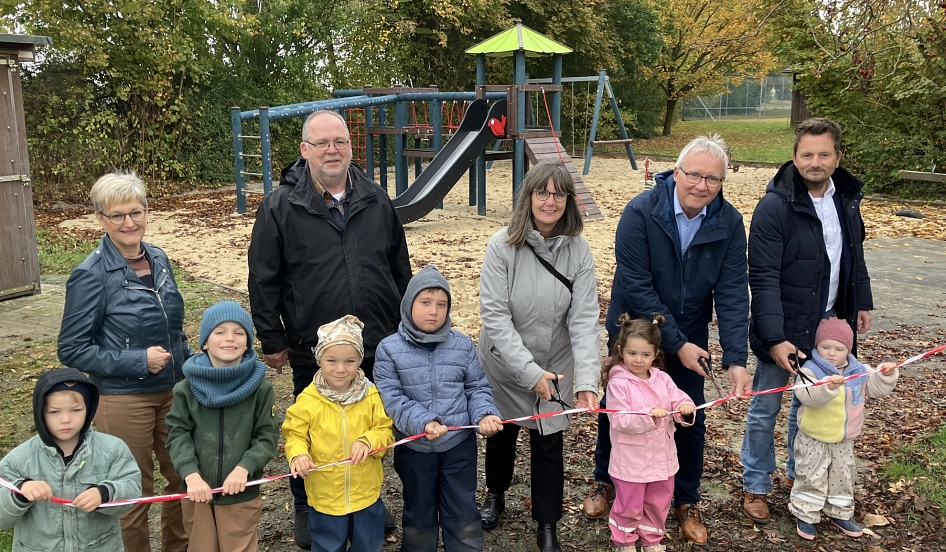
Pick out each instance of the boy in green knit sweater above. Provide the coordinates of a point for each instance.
(222, 431)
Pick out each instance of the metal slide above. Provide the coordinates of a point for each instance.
(444, 170)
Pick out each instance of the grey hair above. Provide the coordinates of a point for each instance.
(117, 187)
(537, 178)
(713, 145)
(314, 114)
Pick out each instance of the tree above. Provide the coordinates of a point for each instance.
(877, 68)
(706, 44)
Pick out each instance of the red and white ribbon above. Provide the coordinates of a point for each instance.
(180, 496)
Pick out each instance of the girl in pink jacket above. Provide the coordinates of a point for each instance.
(643, 457)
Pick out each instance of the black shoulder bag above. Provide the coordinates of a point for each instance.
(548, 266)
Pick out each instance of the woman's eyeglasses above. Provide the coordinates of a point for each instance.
(543, 195)
(117, 219)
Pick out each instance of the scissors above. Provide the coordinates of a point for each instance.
(558, 392)
(793, 361)
(707, 366)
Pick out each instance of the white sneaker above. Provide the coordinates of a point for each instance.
(654, 548)
(628, 548)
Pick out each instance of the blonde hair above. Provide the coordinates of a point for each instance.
(648, 330)
(117, 187)
(537, 178)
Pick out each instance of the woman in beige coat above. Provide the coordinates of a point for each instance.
(540, 334)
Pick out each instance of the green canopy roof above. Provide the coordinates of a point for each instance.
(519, 37)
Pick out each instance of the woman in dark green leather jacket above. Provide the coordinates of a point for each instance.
(123, 325)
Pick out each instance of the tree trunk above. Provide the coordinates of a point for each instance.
(668, 118)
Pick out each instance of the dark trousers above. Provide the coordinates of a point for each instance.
(690, 441)
(547, 469)
(303, 370)
(361, 531)
(439, 494)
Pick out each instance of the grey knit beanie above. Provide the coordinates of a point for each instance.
(225, 311)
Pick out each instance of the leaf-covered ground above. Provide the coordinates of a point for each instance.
(915, 410)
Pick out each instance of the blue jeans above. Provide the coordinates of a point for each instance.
(758, 444)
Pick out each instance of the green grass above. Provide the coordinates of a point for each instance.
(59, 253)
(925, 463)
(6, 540)
(752, 140)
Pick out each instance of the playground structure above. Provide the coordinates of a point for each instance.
(466, 149)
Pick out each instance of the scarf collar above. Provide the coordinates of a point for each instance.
(356, 392)
(224, 386)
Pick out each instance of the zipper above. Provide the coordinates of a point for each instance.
(686, 274)
(220, 450)
(127, 343)
(433, 394)
(167, 326)
(343, 419)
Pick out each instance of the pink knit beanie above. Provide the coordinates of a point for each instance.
(836, 329)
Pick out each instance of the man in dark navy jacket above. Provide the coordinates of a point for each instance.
(681, 248)
(806, 263)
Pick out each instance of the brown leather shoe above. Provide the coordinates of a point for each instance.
(691, 526)
(755, 507)
(599, 500)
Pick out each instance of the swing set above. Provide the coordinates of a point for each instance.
(588, 136)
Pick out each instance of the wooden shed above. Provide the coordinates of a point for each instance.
(19, 261)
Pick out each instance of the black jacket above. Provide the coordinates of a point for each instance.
(789, 267)
(305, 271)
(652, 275)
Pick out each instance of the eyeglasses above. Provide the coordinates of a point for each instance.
(117, 219)
(712, 182)
(543, 195)
(323, 145)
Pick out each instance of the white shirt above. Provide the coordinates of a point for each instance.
(831, 230)
(686, 227)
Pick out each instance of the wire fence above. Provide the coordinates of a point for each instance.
(752, 99)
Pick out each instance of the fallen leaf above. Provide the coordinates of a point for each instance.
(874, 520)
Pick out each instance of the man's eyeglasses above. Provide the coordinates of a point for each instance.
(712, 182)
(543, 195)
(117, 219)
(323, 145)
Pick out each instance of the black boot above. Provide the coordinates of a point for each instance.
(390, 524)
(300, 530)
(493, 507)
(546, 539)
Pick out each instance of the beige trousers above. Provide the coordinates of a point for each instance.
(824, 479)
(222, 528)
(139, 421)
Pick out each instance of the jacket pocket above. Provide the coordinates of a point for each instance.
(635, 454)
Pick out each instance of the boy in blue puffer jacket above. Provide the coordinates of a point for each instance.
(429, 379)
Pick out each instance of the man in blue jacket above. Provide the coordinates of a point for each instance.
(806, 263)
(680, 248)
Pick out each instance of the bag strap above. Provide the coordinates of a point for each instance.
(548, 266)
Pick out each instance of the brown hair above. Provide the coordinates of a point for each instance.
(648, 330)
(817, 126)
(537, 179)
